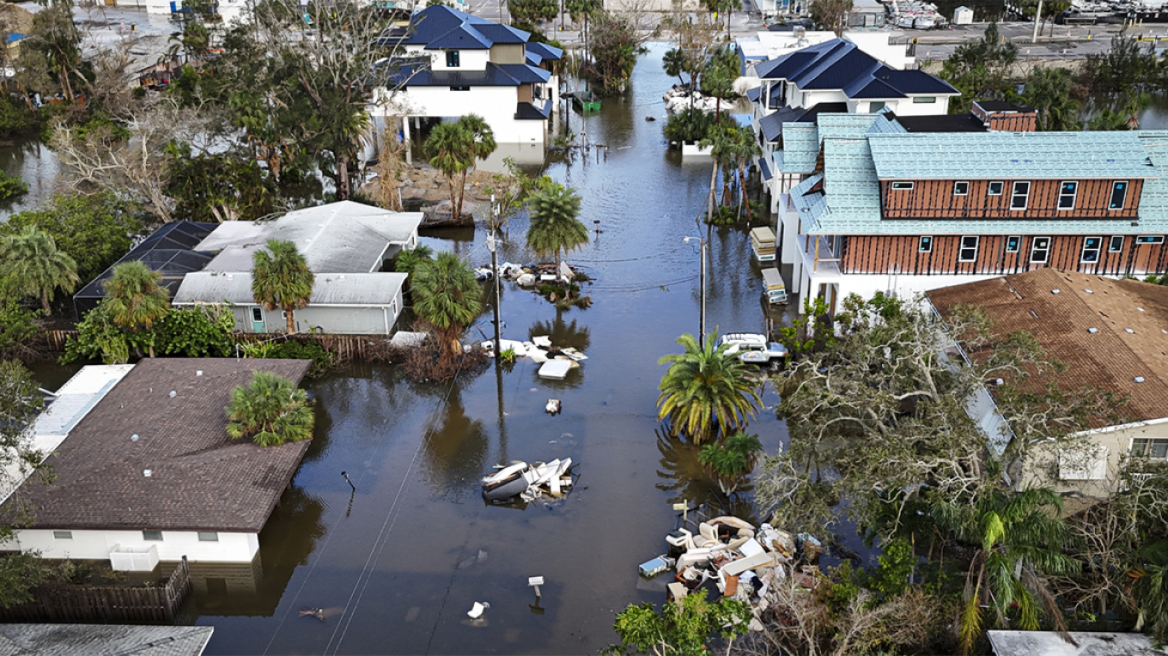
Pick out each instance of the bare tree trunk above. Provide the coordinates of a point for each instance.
(45, 301)
(742, 183)
(344, 192)
(713, 182)
(288, 314)
(461, 195)
(558, 261)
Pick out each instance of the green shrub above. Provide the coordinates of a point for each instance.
(11, 187)
(197, 332)
(322, 360)
(688, 125)
(15, 117)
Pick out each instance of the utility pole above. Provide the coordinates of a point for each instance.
(493, 246)
(1037, 22)
(702, 283)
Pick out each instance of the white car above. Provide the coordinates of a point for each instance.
(753, 348)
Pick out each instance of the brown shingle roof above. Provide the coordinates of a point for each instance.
(1109, 359)
(200, 480)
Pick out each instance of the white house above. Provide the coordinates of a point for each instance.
(455, 64)
(146, 472)
(347, 245)
(1112, 335)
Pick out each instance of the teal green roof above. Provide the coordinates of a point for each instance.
(800, 148)
(1010, 155)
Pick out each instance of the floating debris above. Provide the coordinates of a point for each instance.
(528, 482)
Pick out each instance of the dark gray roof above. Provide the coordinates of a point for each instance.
(441, 27)
(102, 640)
(200, 480)
(529, 112)
(941, 123)
(772, 124)
(839, 64)
(495, 75)
(1001, 106)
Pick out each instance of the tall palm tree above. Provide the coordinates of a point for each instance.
(446, 295)
(448, 147)
(705, 392)
(674, 63)
(555, 227)
(280, 278)
(134, 299)
(722, 140)
(482, 140)
(1019, 538)
(746, 148)
(39, 269)
(271, 411)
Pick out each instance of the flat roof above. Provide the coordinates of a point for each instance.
(200, 480)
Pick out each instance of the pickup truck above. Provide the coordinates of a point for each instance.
(772, 355)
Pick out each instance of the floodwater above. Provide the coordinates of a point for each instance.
(397, 564)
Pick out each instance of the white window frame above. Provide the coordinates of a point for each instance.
(257, 311)
(1025, 196)
(925, 244)
(146, 537)
(903, 186)
(1017, 243)
(1046, 251)
(990, 188)
(962, 248)
(1062, 194)
(1112, 248)
(1148, 442)
(1090, 465)
(1098, 250)
(62, 535)
(961, 193)
(1111, 197)
(207, 536)
(924, 99)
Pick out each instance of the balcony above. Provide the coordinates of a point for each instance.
(818, 257)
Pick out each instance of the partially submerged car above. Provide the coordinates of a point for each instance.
(753, 348)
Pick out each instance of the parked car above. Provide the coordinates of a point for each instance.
(753, 348)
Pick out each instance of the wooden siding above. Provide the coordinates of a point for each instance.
(1015, 122)
(934, 199)
(875, 254)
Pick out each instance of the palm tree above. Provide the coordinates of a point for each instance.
(446, 295)
(1149, 589)
(555, 228)
(1019, 538)
(1049, 91)
(280, 278)
(134, 299)
(272, 411)
(746, 148)
(39, 269)
(482, 145)
(453, 149)
(722, 140)
(408, 261)
(705, 391)
(674, 63)
(731, 459)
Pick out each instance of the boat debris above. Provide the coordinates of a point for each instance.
(552, 407)
(539, 349)
(529, 482)
(740, 560)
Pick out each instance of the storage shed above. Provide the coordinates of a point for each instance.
(963, 16)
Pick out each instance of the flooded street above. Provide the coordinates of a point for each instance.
(398, 564)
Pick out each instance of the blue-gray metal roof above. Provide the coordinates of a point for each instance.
(441, 27)
(1010, 155)
(495, 75)
(839, 64)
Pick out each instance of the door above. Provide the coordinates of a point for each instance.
(257, 320)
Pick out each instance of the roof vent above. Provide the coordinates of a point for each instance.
(1140, 309)
(147, 472)
(1139, 379)
(173, 394)
(1088, 291)
(134, 437)
(999, 382)
(199, 372)
(1054, 291)
(1092, 330)
(1129, 331)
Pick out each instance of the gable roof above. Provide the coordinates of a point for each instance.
(200, 480)
(102, 640)
(1011, 155)
(1109, 359)
(772, 124)
(329, 288)
(343, 237)
(441, 27)
(839, 64)
(494, 75)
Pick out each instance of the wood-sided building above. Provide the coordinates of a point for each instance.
(902, 211)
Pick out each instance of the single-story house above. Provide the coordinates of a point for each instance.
(1112, 335)
(147, 473)
(347, 245)
(104, 639)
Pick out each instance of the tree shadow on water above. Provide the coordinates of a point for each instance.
(682, 475)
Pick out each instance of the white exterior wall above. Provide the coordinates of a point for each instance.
(468, 60)
(1103, 481)
(799, 98)
(330, 320)
(906, 107)
(495, 104)
(879, 45)
(96, 545)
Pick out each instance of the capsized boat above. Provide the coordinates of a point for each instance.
(506, 483)
(524, 479)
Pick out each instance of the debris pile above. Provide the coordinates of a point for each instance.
(540, 350)
(529, 482)
(679, 99)
(529, 275)
(739, 560)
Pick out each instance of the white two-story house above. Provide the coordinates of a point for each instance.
(452, 64)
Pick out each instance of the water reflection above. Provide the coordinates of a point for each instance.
(684, 478)
(563, 334)
(255, 588)
(34, 163)
(456, 452)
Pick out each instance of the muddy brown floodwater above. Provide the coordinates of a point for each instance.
(397, 565)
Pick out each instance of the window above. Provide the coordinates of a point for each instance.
(152, 536)
(1115, 245)
(902, 186)
(995, 188)
(460, 88)
(1118, 195)
(968, 252)
(1020, 196)
(62, 535)
(1150, 240)
(1067, 192)
(925, 245)
(1091, 246)
(960, 188)
(1013, 244)
(875, 106)
(1040, 250)
(451, 59)
(1086, 464)
(1150, 447)
(924, 99)
(208, 537)
(257, 314)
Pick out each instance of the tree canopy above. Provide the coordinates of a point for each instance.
(270, 410)
(31, 258)
(281, 279)
(705, 393)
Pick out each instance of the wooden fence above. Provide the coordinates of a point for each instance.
(61, 602)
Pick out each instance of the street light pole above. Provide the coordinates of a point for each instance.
(493, 246)
(702, 285)
(1037, 21)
